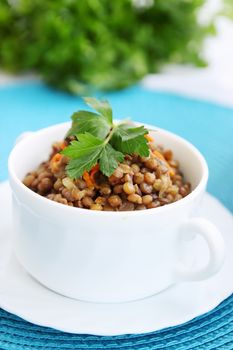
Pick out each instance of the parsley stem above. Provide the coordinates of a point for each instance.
(113, 129)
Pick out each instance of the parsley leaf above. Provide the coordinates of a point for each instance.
(84, 154)
(87, 151)
(76, 167)
(84, 121)
(109, 159)
(138, 145)
(86, 144)
(103, 107)
(130, 140)
(126, 132)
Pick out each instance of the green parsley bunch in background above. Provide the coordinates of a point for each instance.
(78, 44)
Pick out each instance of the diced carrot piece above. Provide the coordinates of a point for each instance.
(149, 138)
(54, 162)
(56, 158)
(93, 171)
(63, 145)
(88, 180)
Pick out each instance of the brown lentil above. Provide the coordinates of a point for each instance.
(118, 189)
(135, 198)
(178, 197)
(128, 178)
(138, 178)
(75, 193)
(145, 188)
(67, 194)
(96, 207)
(149, 178)
(135, 168)
(34, 183)
(144, 170)
(154, 204)
(147, 199)
(44, 174)
(45, 185)
(68, 183)
(81, 184)
(80, 194)
(100, 200)
(170, 198)
(90, 192)
(128, 188)
(168, 155)
(137, 189)
(157, 184)
(57, 184)
(144, 159)
(151, 164)
(162, 170)
(164, 201)
(87, 202)
(177, 177)
(105, 189)
(78, 204)
(173, 190)
(174, 163)
(107, 207)
(183, 191)
(118, 173)
(28, 180)
(125, 168)
(140, 207)
(114, 201)
(113, 180)
(127, 206)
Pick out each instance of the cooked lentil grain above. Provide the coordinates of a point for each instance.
(128, 188)
(96, 207)
(135, 198)
(138, 178)
(149, 178)
(88, 202)
(147, 199)
(114, 201)
(145, 188)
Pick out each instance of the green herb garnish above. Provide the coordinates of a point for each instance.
(101, 141)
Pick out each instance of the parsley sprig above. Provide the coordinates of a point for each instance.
(101, 141)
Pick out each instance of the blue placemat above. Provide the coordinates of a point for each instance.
(213, 330)
(209, 126)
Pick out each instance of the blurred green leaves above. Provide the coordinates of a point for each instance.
(228, 8)
(77, 45)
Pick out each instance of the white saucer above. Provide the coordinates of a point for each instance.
(22, 295)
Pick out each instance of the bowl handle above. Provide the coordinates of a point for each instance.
(215, 244)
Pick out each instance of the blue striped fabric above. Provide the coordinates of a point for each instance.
(30, 106)
(213, 330)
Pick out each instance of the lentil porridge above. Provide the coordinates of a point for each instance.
(136, 182)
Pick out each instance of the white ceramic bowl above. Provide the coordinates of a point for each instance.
(109, 256)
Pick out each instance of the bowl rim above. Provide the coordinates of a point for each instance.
(59, 206)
